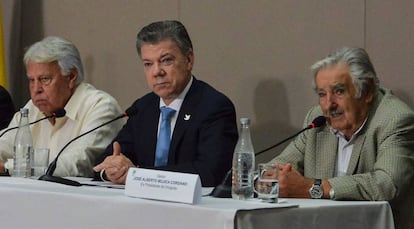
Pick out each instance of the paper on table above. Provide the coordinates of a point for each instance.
(279, 201)
(90, 182)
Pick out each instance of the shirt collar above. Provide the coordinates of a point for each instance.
(176, 103)
(72, 106)
(339, 134)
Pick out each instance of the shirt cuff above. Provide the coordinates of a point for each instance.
(102, 175)
(332, 194)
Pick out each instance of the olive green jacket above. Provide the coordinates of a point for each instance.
(382, 162)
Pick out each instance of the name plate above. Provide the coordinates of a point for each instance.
(163, 185)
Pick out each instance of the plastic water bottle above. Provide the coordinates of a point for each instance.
(23, 146)
(243, 164)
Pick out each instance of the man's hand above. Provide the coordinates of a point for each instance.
(115, 166)
(2, 168)
(292, 184)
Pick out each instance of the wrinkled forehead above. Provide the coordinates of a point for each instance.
(333, 76)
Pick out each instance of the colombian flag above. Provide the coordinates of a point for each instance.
(3, 77)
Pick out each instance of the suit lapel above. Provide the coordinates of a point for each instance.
(361, 136)
(186, 116)
(327, 146)
(149, 130)
(356, 153)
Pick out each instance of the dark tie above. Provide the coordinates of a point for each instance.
(164, 137)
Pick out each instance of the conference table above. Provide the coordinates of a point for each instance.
(30, 203)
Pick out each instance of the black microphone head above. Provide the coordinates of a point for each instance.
(59, 113)
(131, 111)
(318, 121)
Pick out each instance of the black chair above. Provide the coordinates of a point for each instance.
(6, 108)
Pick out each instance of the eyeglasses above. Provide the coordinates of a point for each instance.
(43, 80)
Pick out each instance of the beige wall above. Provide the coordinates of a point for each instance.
(256, 52)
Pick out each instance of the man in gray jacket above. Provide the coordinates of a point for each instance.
(365, 152)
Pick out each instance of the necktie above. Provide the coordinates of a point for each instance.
(164, 137)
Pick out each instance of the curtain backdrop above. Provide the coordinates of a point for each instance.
(3, 76)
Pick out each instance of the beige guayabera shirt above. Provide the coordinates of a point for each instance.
(86, 109)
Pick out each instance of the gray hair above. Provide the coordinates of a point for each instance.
(360, 68)
(52, 49)
(163, 30)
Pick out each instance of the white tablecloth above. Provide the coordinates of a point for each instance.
(26, 203)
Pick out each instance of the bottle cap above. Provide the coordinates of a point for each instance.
(24, 111)
(245, 121)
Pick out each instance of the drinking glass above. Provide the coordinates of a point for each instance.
(40, 161)
(267, 183)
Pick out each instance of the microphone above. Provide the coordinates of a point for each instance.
(57, 114)
(317, 122)
(48, 176)
(224, 189)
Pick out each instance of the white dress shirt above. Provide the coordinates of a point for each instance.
(176, 105)
(87, 108)
(345, 148)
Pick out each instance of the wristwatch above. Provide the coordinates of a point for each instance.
(316, 191)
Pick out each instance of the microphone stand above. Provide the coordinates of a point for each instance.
(224, 189)
(283, 141)
(48, 176)
(317, 122)
(58, 114)
(59, 180)
(13, 128)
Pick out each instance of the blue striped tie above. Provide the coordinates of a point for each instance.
(164, 137)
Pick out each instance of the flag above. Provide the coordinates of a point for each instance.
(3, 77)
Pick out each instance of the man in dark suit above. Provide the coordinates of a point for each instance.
(6, 114)
(203, 125)
(6, 108)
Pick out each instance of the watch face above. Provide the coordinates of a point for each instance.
(316, 192)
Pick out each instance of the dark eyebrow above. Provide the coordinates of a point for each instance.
(41, 76)
(338, 86)
(162, 56)
(166, 55)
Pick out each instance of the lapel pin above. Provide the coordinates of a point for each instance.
(187, 117)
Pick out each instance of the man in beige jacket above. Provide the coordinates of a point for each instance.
(366, 150)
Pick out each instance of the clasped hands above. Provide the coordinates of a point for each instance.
(115, 166)
(292, 184)
(2, 167)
